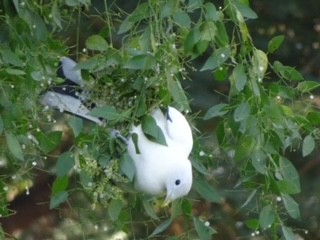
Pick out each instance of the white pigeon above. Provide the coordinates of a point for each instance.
(164, 169)
(70, 95)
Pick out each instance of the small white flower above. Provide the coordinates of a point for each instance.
(34, 163)
(207, 223)
(311, 97)
(261, 68)
(27, 191)
(279, 199)
(222, 55)
(202, 153)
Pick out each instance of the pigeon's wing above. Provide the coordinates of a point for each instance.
(149, 160)
(179, 130)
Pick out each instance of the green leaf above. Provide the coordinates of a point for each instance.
(244, 150)
(76, 125)
(286, 72)
(16, 72)
(60, 184)
(148, 207)
(152, 131)
(186, 207)
(239, 77)
(242, 112)
(197, 165)
(291, 206)
(258, 159)
(64, 164)
(259, 63)
(14, 145)
(49, 141)
(127, 166)
(97, 43)
(114, 209)
(218, 57)
(141, 62)
(162, 227)
(266, 217)
(308, 145)
(211, 12)
(204, 232)
(221, 74)
(73, 3)
(58, 198)
(56, 16)
(89, 64)
(191, 40)
(206, 191)
(314, 117)
(208, 31)
(107, 112)
(1, 125)
(288, 187)
(288, 233)
(244, 9)
(216, 111)
(252, 224)
(178, 94)
(290, 174)
(275, 43)
(222, 36)
(182, 19)
(125, 26)
(141, 12)
(307, 86)
(10, 57)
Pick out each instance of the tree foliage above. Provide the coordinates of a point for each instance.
(139, 60)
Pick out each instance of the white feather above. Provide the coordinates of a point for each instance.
(159, 167)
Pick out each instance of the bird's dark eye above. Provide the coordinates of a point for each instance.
(177, 182)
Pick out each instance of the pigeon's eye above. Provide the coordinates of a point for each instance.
(177, 182)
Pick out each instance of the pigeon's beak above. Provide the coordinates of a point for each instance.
(167, 200)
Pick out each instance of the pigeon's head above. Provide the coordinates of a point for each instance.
(179, 181)
(67, 71)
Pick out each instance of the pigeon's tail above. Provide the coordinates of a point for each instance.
(69, 104)
(70, 96)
